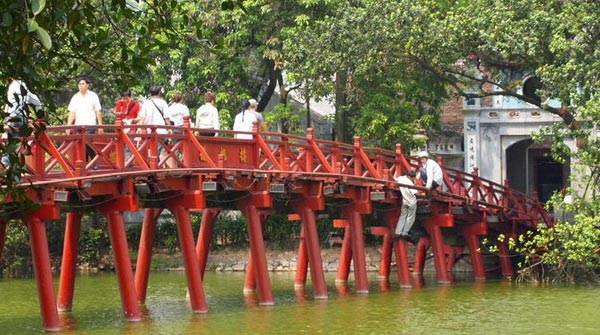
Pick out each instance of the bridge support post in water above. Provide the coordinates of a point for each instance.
(192, 268)
(142, 268)
(257, 249)
(118, 240)
(204, 236)
(3, 225)
(505, 262)
(470, 233)
(301, 262)
(358, 252)
(68, 265)
(420, 255)
(391, 219)
(250, 278)
(313, 251)
(343, 270)
(43, 273)
(433, 226)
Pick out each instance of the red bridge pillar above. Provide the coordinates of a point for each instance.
(301, 262)
(433, 226)
(68, 265)
(118, 240)
(470, 233)
(43, 273)
(250, 278)
(391, 219)
(504, 254)
(259, 257)
(192, 267)
(204, 236)
(313, 251)
(142, 269)
(358, 252)
(345, 253)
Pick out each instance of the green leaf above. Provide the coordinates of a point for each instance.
(37, 6)
(44, 38)
(32, 25)
(227, 5)
(133, 5)
(7, 20)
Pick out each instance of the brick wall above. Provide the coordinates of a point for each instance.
(452, 117)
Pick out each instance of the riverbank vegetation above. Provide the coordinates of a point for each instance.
(388, 66)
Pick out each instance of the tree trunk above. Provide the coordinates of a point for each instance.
(341, 116)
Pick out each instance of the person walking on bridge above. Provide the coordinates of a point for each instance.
(177, 110)
(409, 204)
(430, 172)
(129, 109)
(244, 121)
(207, 116)
(16, 110)
(85, 110)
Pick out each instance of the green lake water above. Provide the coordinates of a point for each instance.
(465, 307)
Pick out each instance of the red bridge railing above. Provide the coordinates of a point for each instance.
(59, 158)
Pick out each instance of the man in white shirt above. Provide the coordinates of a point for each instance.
(16, 110)
(244, 121)
(207, 116)
(177, 111)
(430, 172)
(18, 97)
(155, 111)
(85, 110)
(409, 204)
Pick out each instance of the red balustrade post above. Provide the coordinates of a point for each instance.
(204, 236)
(118, 241)
(186, 146)
(153, 148)
(120, 145)
(43, 273)
(144, 257)
(69, 261)
(192, 268)
(309, 151)
(356, 157)
(475, 186)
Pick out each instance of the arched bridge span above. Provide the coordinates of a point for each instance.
(121, 169)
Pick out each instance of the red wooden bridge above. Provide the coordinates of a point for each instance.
(183, 172)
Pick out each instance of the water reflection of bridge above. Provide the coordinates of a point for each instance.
(299, 175)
